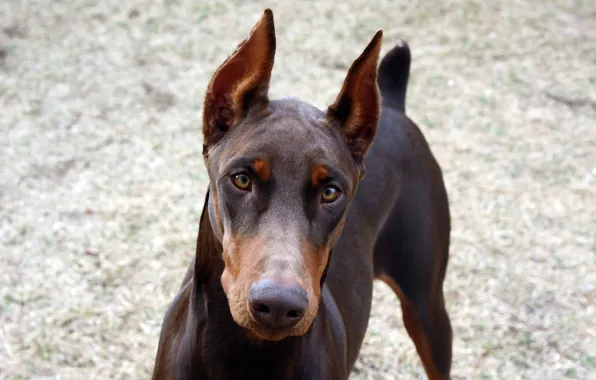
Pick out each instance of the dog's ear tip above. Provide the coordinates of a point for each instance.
(268, 14)
(377, 38)
(267, 22)
(374, 46)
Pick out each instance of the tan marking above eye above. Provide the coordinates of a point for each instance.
(262, 169)
(319, 174)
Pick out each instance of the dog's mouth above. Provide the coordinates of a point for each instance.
(269, 334)
(260, 332)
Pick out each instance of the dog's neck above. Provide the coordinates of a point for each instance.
(209, 264)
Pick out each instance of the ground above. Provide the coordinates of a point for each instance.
(102, 179)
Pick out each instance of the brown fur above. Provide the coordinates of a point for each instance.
(261, 167)
(412, 322)
(358, 103)
(234, 88)
(319, 174)
(394, 225)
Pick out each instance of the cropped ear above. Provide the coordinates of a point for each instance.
(356, 110)
(240, 83)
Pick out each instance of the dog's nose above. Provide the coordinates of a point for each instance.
(277, 305)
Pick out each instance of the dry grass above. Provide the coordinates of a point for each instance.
(101, 177)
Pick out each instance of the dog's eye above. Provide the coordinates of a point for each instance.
(329, 194)
(242, 181)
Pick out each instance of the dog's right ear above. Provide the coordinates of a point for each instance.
(356, 110)
(241, 82)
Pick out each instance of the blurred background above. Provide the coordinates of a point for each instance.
(102, 179)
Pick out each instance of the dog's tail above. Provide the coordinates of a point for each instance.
(393, 75)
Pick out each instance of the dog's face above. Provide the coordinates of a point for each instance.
(282, 176)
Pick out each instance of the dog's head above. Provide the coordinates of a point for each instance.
(282, 175)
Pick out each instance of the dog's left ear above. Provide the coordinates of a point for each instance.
(357, 107)
(241, 82)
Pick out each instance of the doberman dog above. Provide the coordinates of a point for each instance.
(287, 250)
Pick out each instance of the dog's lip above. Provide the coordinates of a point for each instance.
(271, 334)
